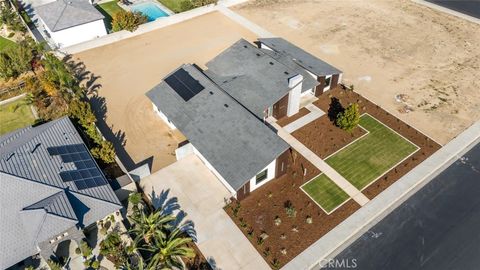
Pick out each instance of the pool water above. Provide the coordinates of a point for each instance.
(150, 10)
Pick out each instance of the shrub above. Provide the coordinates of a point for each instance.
(105, 152)
(14, 61)
(275, 263)
(54, 265)
(95, 264)
(78, 251)
(191, 4)
(290, 209)
(86, 249)
(9, 17)
(349, 119)
(127, 20)
(277, 221)
(309, 220)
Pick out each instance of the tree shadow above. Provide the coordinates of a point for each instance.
(169, 206)
(334, 109)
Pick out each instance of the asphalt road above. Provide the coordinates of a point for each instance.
(470, 7)
(437, 228)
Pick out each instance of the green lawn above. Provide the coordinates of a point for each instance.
(360, 162)
(173, 5)
(109, 9)
(15, 115)
(4, 43)
(371, 156)
(325, 192)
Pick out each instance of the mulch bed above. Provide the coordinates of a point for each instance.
(197, 263)
(427, 145)
(257, 212)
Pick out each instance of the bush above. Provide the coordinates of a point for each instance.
(127, 20)
(9, 17)
(95, 264)
(14, 61)
(290, 210)
(105, 152)
(86, 249)
(349, 119)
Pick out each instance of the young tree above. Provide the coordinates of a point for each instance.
(127, 20)
(168, 251)
(348, 119)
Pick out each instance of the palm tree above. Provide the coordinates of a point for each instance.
(169, 251)
(147, 227)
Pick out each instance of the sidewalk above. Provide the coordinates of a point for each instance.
(354, 226)
(315, 113)
(339, 180)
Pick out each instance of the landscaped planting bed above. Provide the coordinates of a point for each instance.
(258, 214)
(427, 146)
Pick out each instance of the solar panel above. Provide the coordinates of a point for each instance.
(86, 174)
(184, 84)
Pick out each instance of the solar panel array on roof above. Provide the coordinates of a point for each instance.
(184, 84)
(87, 174)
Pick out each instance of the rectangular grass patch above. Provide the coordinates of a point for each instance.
(371, 156)
(109, 9)
(325, 193)
(15, 115)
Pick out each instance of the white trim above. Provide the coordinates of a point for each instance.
(338, 206)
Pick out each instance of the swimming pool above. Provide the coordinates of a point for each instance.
(151, 10)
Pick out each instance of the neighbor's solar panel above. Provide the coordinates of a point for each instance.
(87, 174)
(184, 84)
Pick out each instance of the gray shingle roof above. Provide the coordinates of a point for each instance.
(236, 143)
(250, 76)
(301, 57)
(63, 14)
(36, 204)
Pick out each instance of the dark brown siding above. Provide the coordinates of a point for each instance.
(334, 81)
(244, 191)
(282, 164)
(280, 108)
(319, 88)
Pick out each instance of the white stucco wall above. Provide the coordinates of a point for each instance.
(294, 94)
(163, 117)
(270, 175)
(77, 34)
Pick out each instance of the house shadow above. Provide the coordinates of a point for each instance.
(98, 104)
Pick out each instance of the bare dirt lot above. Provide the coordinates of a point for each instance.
(127, 69)
(420, 64)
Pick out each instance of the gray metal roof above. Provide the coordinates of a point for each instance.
(236, 143)
(36, 204)
(301, 57)
(252, 77)
(63, 14)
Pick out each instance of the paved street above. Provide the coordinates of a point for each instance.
(437, 228)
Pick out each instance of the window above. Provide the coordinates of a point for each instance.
(261, 176)
(327, 81)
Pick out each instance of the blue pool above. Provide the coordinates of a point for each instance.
(151, 10)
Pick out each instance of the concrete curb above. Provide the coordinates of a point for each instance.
(354, 226)
(448, 11)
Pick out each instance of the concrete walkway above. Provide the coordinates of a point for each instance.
(315, 113)
(354, 226)
(339, 180)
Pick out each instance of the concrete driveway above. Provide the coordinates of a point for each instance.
(201, 196)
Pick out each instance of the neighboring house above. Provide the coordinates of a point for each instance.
(222, 111)
(50, 190)
(235, 145)
(68, 22)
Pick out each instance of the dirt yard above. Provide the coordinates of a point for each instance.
(126, 70)
(420, 64)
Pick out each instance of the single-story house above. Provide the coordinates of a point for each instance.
(69, 22)
(51, 189)
(236, 146)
